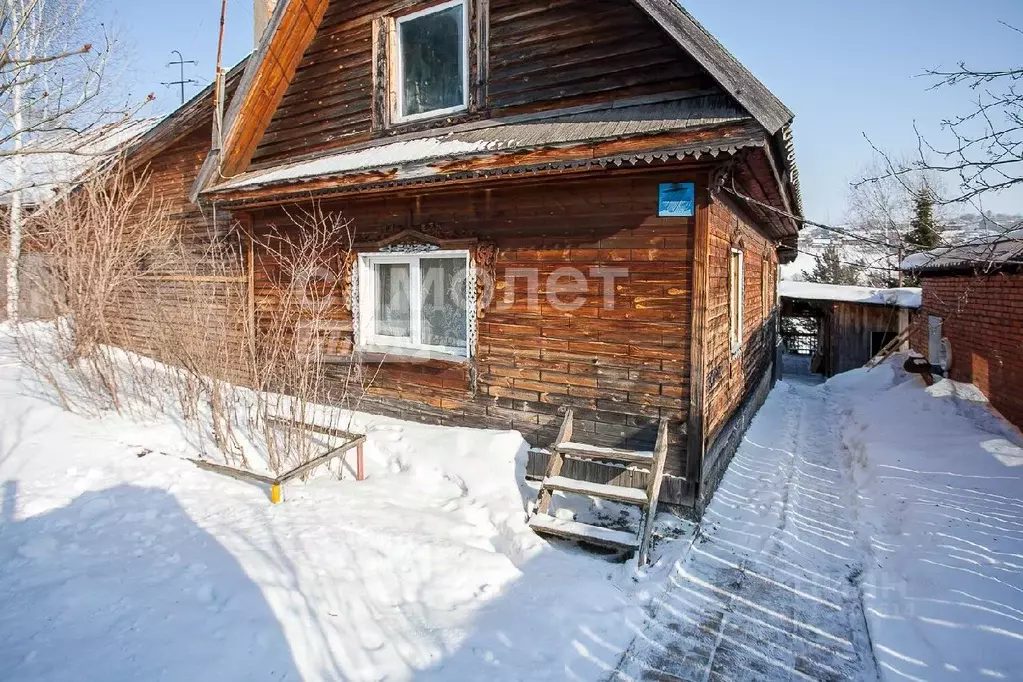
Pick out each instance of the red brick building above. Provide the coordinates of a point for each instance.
(972, 317)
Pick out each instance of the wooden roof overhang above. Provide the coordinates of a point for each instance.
(265, 80)
(689, 147)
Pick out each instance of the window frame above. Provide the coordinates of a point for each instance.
(397, 73)
(367, 336)
(736, 297)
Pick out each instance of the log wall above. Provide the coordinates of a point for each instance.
(542, 55)
(205, 317)
(621, 369)
(732, 374)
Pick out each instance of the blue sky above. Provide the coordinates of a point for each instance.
(847, 69)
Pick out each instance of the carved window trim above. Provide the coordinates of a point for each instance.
(480, 277)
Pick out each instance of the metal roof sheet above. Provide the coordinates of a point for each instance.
(992, 252)
(516, 135)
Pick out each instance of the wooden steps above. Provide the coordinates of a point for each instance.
(616, 493)
(581, 532)
(544, 523)
(595, 452)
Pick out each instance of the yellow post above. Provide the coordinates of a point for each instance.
(275, 494)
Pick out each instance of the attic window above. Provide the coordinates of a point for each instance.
(432, 50)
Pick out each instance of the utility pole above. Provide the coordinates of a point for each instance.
(180, 63)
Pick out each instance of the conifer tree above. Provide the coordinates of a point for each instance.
(924, 234)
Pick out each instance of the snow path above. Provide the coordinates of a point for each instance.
(770, 591)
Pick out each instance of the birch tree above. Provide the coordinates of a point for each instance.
(51, 81)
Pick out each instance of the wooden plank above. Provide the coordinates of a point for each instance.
(654, 491)
(321, 460)
(605, 492)
(196, 278)
(238, 474)
(583, 450)
(557, 461)
(696, 437)
(316, 428)
(381, 106)
(594, 535)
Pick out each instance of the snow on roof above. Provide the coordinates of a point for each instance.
(392, 154)
(1000, 249)
(58, 159)
(906, 297)
(543, 131)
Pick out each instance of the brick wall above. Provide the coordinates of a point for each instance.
(983, 320)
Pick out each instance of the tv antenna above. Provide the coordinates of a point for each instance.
(180, 63)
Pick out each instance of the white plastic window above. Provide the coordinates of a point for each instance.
(415, 301)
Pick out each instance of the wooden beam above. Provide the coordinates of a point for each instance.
(696, 440)
(653, 490)
(267, 76)
(321, 460)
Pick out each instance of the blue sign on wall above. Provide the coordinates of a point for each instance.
(677, 200)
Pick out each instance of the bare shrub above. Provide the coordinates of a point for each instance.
(245, 373)
(255, 369)
(100, 242)
(197, 324)
(302, 354)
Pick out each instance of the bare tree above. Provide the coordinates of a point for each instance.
(51, 82)
(101, 242)
(881, 211)
(980, 152)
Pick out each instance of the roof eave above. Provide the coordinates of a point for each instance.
(728, 71)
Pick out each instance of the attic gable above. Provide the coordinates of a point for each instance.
(313, 49)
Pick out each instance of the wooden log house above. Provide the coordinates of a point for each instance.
(490, 139)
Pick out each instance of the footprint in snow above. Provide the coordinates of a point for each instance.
(205, 594)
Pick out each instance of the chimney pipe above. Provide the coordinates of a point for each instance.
(261, 11)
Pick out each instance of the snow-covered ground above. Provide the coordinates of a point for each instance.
(867, 528)
(939, 507)
(120, 567)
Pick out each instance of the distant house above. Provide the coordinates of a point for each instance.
(52, 163)
(973, 303)
(482, 144)
(842, 327)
